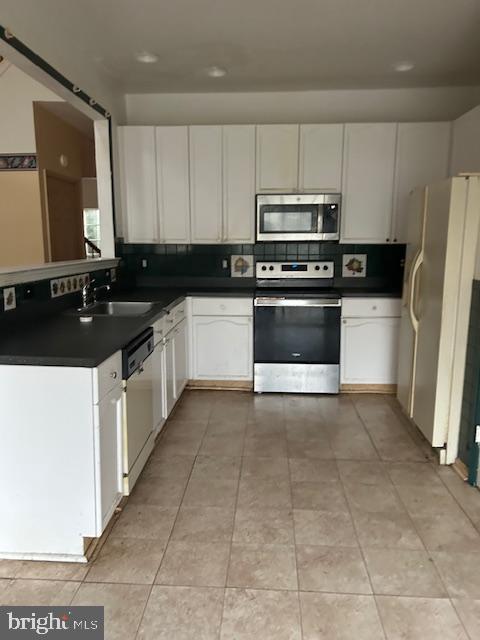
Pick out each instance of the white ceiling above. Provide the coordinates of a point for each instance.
(271, 45)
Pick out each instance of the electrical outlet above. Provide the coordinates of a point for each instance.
(113, 275)
(9, 299)
(224, 263)
(144, 264)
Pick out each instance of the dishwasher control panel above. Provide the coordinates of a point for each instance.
(295, 269)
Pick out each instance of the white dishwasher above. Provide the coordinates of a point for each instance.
(138, 427)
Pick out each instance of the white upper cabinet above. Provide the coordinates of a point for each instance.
(277, 157)
(422, 157)
(139, 183)
(173, 184)
(206, 192)
(368, 174)
(238, 183)
(321, 153)
(466, 143)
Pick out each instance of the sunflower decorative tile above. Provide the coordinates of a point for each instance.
(354, 265)
(241, 266)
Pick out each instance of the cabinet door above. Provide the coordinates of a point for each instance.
(321, 153)
(368, 170)
(169, 373)
(277, 157)
(180, 344)
(422, 158)
(239, 183)
(369, 350)
(158, 387)
(139, 183)
(173, 184)
(206, 197)
(108, 456)
(222, 348)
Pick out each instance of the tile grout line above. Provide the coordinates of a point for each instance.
(384, 631)
(168, 539)
(427, 551)
(220, 628)
(302, 632)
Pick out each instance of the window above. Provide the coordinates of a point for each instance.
(91, 229)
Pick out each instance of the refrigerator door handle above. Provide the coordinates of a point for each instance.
(413, 281)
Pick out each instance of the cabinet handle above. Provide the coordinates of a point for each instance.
(113, 374)
(223, 307)
(388, 239)
(374, 308)
(394, 239)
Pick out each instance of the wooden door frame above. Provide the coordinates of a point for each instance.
(48, 173)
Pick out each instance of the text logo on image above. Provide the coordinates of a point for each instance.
(24, 623)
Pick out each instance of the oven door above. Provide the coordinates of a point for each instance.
(298, 217)
(297, 345)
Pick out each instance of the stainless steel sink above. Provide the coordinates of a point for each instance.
(117, 309)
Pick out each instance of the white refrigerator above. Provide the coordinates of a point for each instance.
(443, 227)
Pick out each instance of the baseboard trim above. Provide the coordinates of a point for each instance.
(227, 385)
(461, 469)
(369, 388)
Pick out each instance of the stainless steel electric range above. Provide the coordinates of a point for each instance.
(297, 328)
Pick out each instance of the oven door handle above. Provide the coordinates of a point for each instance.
(289, 302)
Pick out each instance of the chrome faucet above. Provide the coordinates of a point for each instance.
(89, 293)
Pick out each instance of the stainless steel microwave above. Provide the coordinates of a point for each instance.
(297, 217)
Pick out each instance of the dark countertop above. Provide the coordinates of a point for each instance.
(62, 340)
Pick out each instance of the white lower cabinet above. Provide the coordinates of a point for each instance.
(158, 378)
(169, 373)
(108, 416)
(222, 348)
(369, 350)
(180, 357)
(221, 338)
(67, 482)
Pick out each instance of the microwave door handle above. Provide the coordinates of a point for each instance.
(320, 219)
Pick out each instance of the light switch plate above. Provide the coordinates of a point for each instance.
(9, 299)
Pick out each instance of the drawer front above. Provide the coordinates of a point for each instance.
(222, 306)
(371, 307)
(159, 328)
(179, 312)
(106, 376)
(176, 315)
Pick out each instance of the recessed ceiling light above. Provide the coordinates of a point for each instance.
(404, 65)
(215, 72)
(146, 57)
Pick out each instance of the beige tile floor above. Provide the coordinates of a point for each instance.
(280, 518)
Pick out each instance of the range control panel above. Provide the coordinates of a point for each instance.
(295, 269)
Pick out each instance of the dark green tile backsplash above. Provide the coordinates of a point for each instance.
(383, 261)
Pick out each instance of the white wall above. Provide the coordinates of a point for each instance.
(374, 105)
(50, 29)
(466, 153)
(466, 143)
(18, 91)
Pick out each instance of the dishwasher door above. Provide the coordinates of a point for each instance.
(139, 423)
